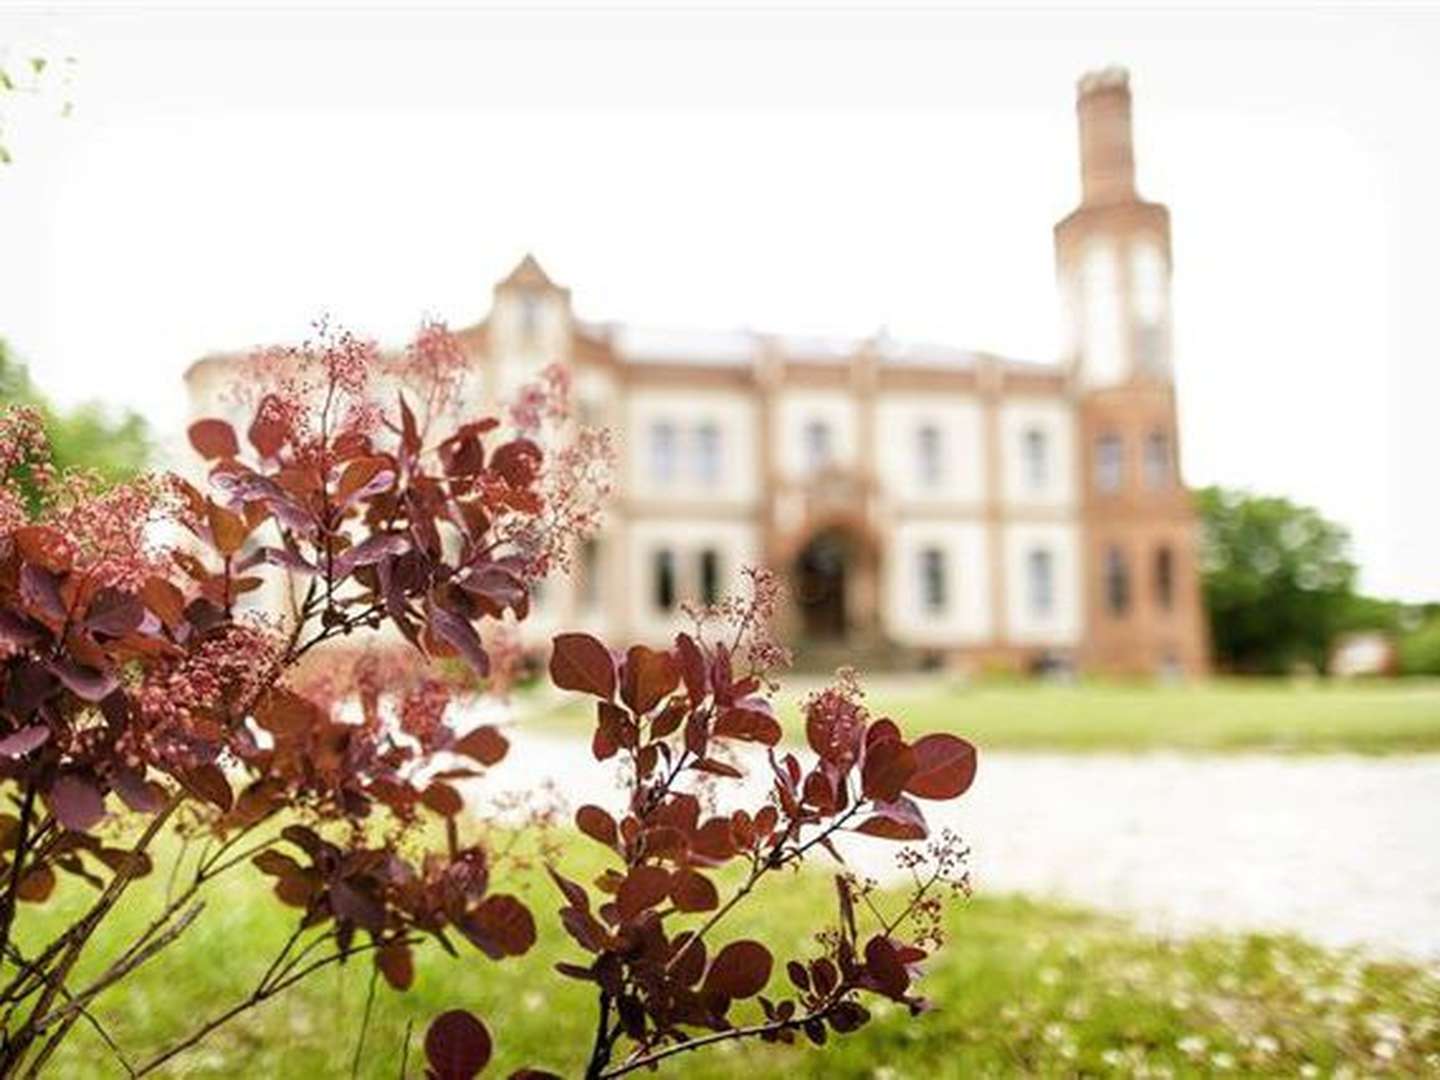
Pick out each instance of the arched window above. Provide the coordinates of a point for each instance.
(819, 448)
(1157, 460)
(662, 452)
(1109, 463)
(707, 454)
(1040, 581)
(1037, 459)
(933, 584)
(1117, 582)
(709, 576)
(1164, 578)
(929, 455)
(663, 579)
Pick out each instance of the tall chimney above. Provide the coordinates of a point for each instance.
(1107, 155)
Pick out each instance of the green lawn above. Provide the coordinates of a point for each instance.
(1223, 715)
(1023, 988)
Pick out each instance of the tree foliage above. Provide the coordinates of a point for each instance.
(1278, 581)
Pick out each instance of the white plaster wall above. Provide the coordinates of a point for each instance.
(966, 618)
(734, 414)
(1063, 624)
(794, 409)
(1056, 418)
(736, 542)
(960, 421)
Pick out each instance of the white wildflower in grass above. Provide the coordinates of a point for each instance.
(1266, 1045)
(1192, 1046)
(1309, 1070)
(1221, 1061)
(1054, 1032)
(1049, 976)
(533, 1001)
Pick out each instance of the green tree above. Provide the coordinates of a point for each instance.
(88, 436)
(1278, 581)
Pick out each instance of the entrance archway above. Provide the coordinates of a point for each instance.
(831, 583)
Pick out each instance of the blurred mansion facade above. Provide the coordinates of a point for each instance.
(944, 506)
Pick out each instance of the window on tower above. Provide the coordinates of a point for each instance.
(1157, 461)
(1109, 463)
(1164, 579)
(1117, 582)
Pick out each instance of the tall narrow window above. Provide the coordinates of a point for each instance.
(929, 455)
(933, 584)
(1109, 463)
(1157, 461)
(709, 576)
(663, 580)
(662, 452)
(1040, 574)
(819, 450)
(1165, 579)
(1037, 459)
(707, 454)
(1117, 582)
(590, 574)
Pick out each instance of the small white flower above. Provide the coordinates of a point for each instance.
(1222, 1062)
(1192, 1046)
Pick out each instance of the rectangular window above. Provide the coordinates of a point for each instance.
(709, 576)
(929, 453)
(1117, 582)
(1040, 571)
(933, 584)
(1109, 463)
(662, 452)
(662, 583)
(1037, 460)
(819, 449)
(707, 454)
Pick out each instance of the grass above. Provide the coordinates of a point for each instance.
(1023, 987)
(1221, 715)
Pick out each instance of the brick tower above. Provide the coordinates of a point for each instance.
(1112, 253)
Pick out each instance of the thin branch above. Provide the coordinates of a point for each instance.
(650, 1060)
(365, 1020)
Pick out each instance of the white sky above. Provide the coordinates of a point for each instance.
(227, 176)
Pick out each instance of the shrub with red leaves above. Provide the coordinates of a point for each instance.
(651, 929)
(149, 637)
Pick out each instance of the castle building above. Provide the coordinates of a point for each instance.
(956, 507)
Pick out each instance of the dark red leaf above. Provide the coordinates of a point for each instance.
(485, 744)
(580, 662)
(597, 824)
(459, 635)
(357, 904)
(693, 668)
(888, 765)
(649, 676)
(44, 547)
(898, 820)
(443, 799)
(114, 612)
(209, 783)
(85, 683)
(693, 891)
(457, 1046)
(227, 530)
(500, 926)
(643, 887)
(946, 767)
(885, 968)
(740, 970)
(214, 439)
(23, 741)
(848, 1016)
(397, 964)
(76, 802)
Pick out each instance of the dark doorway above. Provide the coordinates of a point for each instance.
(821, 573)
